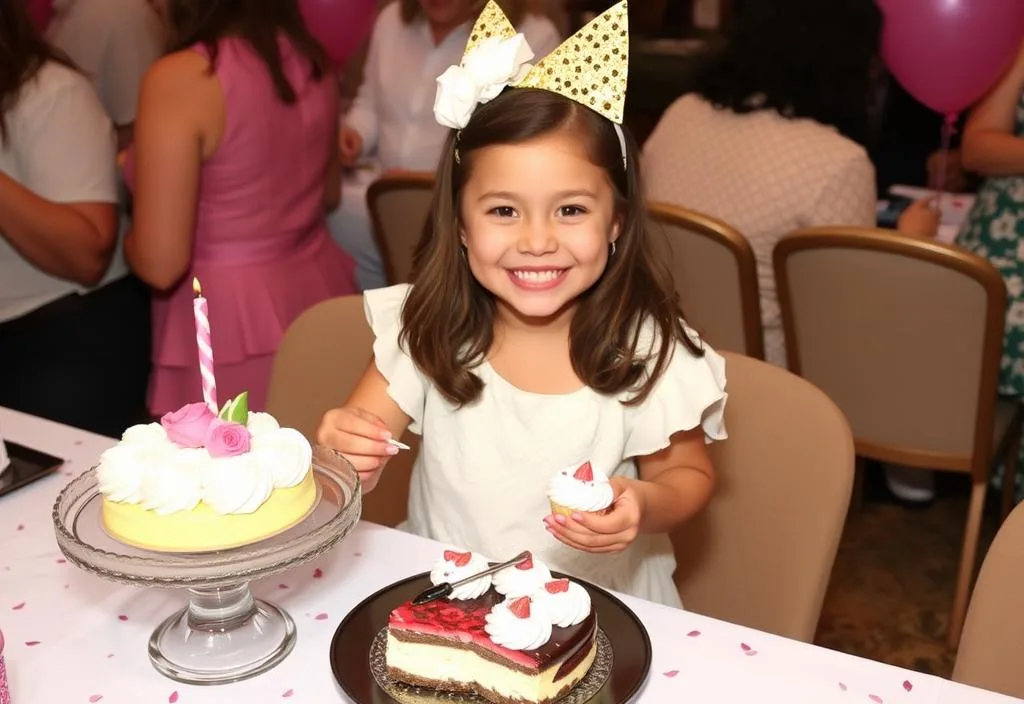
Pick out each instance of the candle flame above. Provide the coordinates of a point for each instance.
(196, 288)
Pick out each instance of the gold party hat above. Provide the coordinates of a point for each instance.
(591, 66)
(492, 22)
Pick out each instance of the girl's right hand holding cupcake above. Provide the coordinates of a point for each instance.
(361, 437)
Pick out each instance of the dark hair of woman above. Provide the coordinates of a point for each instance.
(448, 317)
(259, 22)
(410, 10)
(22, 53)
(802, 58)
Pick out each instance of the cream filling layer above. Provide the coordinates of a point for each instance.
(439, 663)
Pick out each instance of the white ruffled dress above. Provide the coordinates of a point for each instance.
(480, 479)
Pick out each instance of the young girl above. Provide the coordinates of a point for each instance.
(541, 331)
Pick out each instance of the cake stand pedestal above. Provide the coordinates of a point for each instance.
(224, 634)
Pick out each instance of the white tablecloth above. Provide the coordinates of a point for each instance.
(75, 638)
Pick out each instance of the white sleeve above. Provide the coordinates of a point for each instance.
(848, 195)
(690, 393)
(407, 386)
(362, 116)
(65, 143)
(134, 43)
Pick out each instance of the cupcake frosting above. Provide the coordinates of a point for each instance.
(581, 488)
(454, 566)
(522, 579)
(565, 602)
(517, 624)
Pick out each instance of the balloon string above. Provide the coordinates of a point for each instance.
(948, 128)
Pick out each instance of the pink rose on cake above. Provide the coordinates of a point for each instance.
(224, 439)
(189, 425)
(580, 489)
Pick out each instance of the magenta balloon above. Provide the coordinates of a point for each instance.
(340, 25)
(40, 12)
(948, 53)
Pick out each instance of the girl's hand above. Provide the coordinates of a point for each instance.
(920, 219)
(613, 531)
(360, 436)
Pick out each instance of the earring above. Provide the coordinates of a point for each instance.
(613, 248)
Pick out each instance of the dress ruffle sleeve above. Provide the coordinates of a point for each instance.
(690, 393)
(407, 386)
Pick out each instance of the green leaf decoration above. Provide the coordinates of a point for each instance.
(237, 409)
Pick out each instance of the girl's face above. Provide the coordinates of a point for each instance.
(537, 222)
(448, 13)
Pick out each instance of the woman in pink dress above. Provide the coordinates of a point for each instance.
(234, 168)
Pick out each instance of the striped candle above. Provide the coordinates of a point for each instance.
(205, 345)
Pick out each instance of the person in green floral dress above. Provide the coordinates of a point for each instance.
(993, 146)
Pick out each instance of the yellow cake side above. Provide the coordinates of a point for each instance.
(203, 529)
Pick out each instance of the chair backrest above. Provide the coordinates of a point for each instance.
(323, 355)
(400, 210)
(715, 274)
(905, 335)
(993, 635)
(761, 554)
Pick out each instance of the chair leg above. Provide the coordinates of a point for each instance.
(968, 558)
(1010, 464)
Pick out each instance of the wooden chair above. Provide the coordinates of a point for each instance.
(716, 277)
(400, 208)
(906, 336)
(993, 636)
(762, 553)
(322, 356)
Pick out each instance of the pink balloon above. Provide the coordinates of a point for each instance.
(40, 12)
(340, 25)
(948, 53)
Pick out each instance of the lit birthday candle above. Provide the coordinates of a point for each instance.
(205, 345)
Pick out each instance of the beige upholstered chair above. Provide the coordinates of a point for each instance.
(716, 277)
(762, 552)
(322, 356)
(993, 636)
(400, 210)
(905, 335)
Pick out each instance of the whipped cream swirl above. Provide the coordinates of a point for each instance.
(457, 565)
(522, 579)
(565, 602)
(518, 626)
(580, 494)
(146, 468)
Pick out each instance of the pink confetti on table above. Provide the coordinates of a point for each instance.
(18, 607)
(31, 643)
(61, 561)
(95, 698)
(173, 698)
(693, 634)
(318, 573)
(747, 650)
(78, 442)
(287, 693)
(358, 554)
(842, 686)
(907, 686)
(122, 617)
(671, 673)
(21, 526)
(875, 698)
(321, 617)
(282, 586)
(110, 655)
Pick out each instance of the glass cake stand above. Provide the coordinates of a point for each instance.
(224, 634)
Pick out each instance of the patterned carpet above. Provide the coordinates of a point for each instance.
(892, 584)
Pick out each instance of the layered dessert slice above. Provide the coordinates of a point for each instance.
(506, 649)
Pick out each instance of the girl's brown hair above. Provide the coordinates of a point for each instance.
(515, 10)
(448, 317)
(259, 22)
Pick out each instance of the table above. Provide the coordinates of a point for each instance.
(74, 638)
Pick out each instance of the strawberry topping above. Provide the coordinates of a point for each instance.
(526, 564)
(520, 608)
(461, 559)
(585, 473)
(557, 586)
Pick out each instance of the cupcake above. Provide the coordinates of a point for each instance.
(579, 490)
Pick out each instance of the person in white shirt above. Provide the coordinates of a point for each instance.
(391, 119)
(61, 353)
(113, 42)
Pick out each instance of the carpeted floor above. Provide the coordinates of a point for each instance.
(892, 584)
